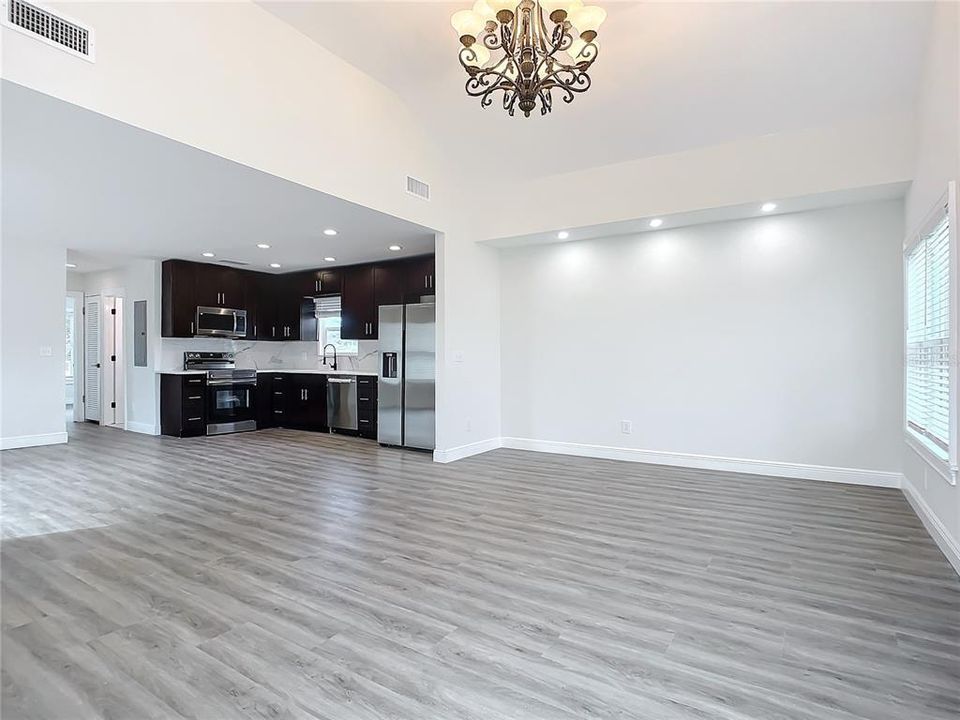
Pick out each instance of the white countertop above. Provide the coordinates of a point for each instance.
(315, 371)
(319, 371)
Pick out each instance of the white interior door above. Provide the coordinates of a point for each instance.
(107, 360)
(91, 357)
(117, 362)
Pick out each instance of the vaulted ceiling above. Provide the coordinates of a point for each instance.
(670, 77)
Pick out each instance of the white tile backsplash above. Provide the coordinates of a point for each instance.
(263, 355)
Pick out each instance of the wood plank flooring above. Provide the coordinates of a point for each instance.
(281, 574)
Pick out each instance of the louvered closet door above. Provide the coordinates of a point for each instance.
(91, 357)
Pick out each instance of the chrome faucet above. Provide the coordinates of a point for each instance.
(330, 345)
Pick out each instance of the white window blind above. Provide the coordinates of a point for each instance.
(928, 411)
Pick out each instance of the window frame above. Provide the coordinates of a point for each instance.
(322, 340)
(947, 468)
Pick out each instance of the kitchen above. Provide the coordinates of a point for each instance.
(348, 350)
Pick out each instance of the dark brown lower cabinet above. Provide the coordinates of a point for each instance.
(183, 405)
(367, 406)
(306, 401)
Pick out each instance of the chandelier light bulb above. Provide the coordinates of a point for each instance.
(483, 9)
(468, 25)
(499, 6)
(552, 6)
(587, 20)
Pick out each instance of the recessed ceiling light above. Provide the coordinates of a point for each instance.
(207, 254)
(656, 222)
(395, 248)
(329, 231)
(563, 235)
(330, 259)
(71, 265)
(263, 246)
(768, 207)
(274, 265)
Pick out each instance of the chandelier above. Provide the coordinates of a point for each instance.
(540, 46)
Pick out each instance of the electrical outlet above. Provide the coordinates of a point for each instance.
(458, 357)
(46, 351)
(626, 427)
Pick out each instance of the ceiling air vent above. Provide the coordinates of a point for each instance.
(418, 188)
(53, 29)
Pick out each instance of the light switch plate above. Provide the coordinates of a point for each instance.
(46, 351)
(458, 357)
(626, 427)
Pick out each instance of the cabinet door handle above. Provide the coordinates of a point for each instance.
(306, 394)
(425, 285)
(191, 327)
(431, 282)
(254, 329)
(193, 419)
(194, 397)
(194, 381)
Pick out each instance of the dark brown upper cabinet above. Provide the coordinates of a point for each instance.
(219, 286)
(389, 280)
(421, 277)
(358, 304)
(281, 307)
(178, 298)
(289, 300)
(263, 324)
(317, 283)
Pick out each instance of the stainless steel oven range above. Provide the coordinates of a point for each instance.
(231, 393)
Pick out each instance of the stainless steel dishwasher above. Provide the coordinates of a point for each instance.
(342, 402)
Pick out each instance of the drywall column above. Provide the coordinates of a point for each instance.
(33, 285)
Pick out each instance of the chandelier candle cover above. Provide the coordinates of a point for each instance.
(540, 46)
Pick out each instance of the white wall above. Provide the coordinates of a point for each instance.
(32, 342)
(138, 280)
(937, 162)
(775, 339)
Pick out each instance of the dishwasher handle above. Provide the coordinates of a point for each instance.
(340, 380)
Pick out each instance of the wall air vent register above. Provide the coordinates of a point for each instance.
(418, 188)
(52, 28)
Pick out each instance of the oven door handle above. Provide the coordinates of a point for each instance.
(215, 383)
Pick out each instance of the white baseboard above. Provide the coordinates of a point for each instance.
(856, 476)
(948, 545)
(458, 453)
(144, 428)
(24, 441)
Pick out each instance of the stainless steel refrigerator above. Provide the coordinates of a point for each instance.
(407, 392)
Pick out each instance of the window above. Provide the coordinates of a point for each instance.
(931, 338)
(328, 317)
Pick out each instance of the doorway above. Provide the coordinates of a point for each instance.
(73, 365)
(103, 357)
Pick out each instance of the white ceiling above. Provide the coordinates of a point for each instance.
(111, 191)
(670, 76)
(837, 198)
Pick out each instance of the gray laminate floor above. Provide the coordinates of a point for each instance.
(290, 575)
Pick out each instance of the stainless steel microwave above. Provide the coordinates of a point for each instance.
(221, 322)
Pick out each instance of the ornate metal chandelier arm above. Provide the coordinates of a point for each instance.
(577, 81)
(557, 43)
